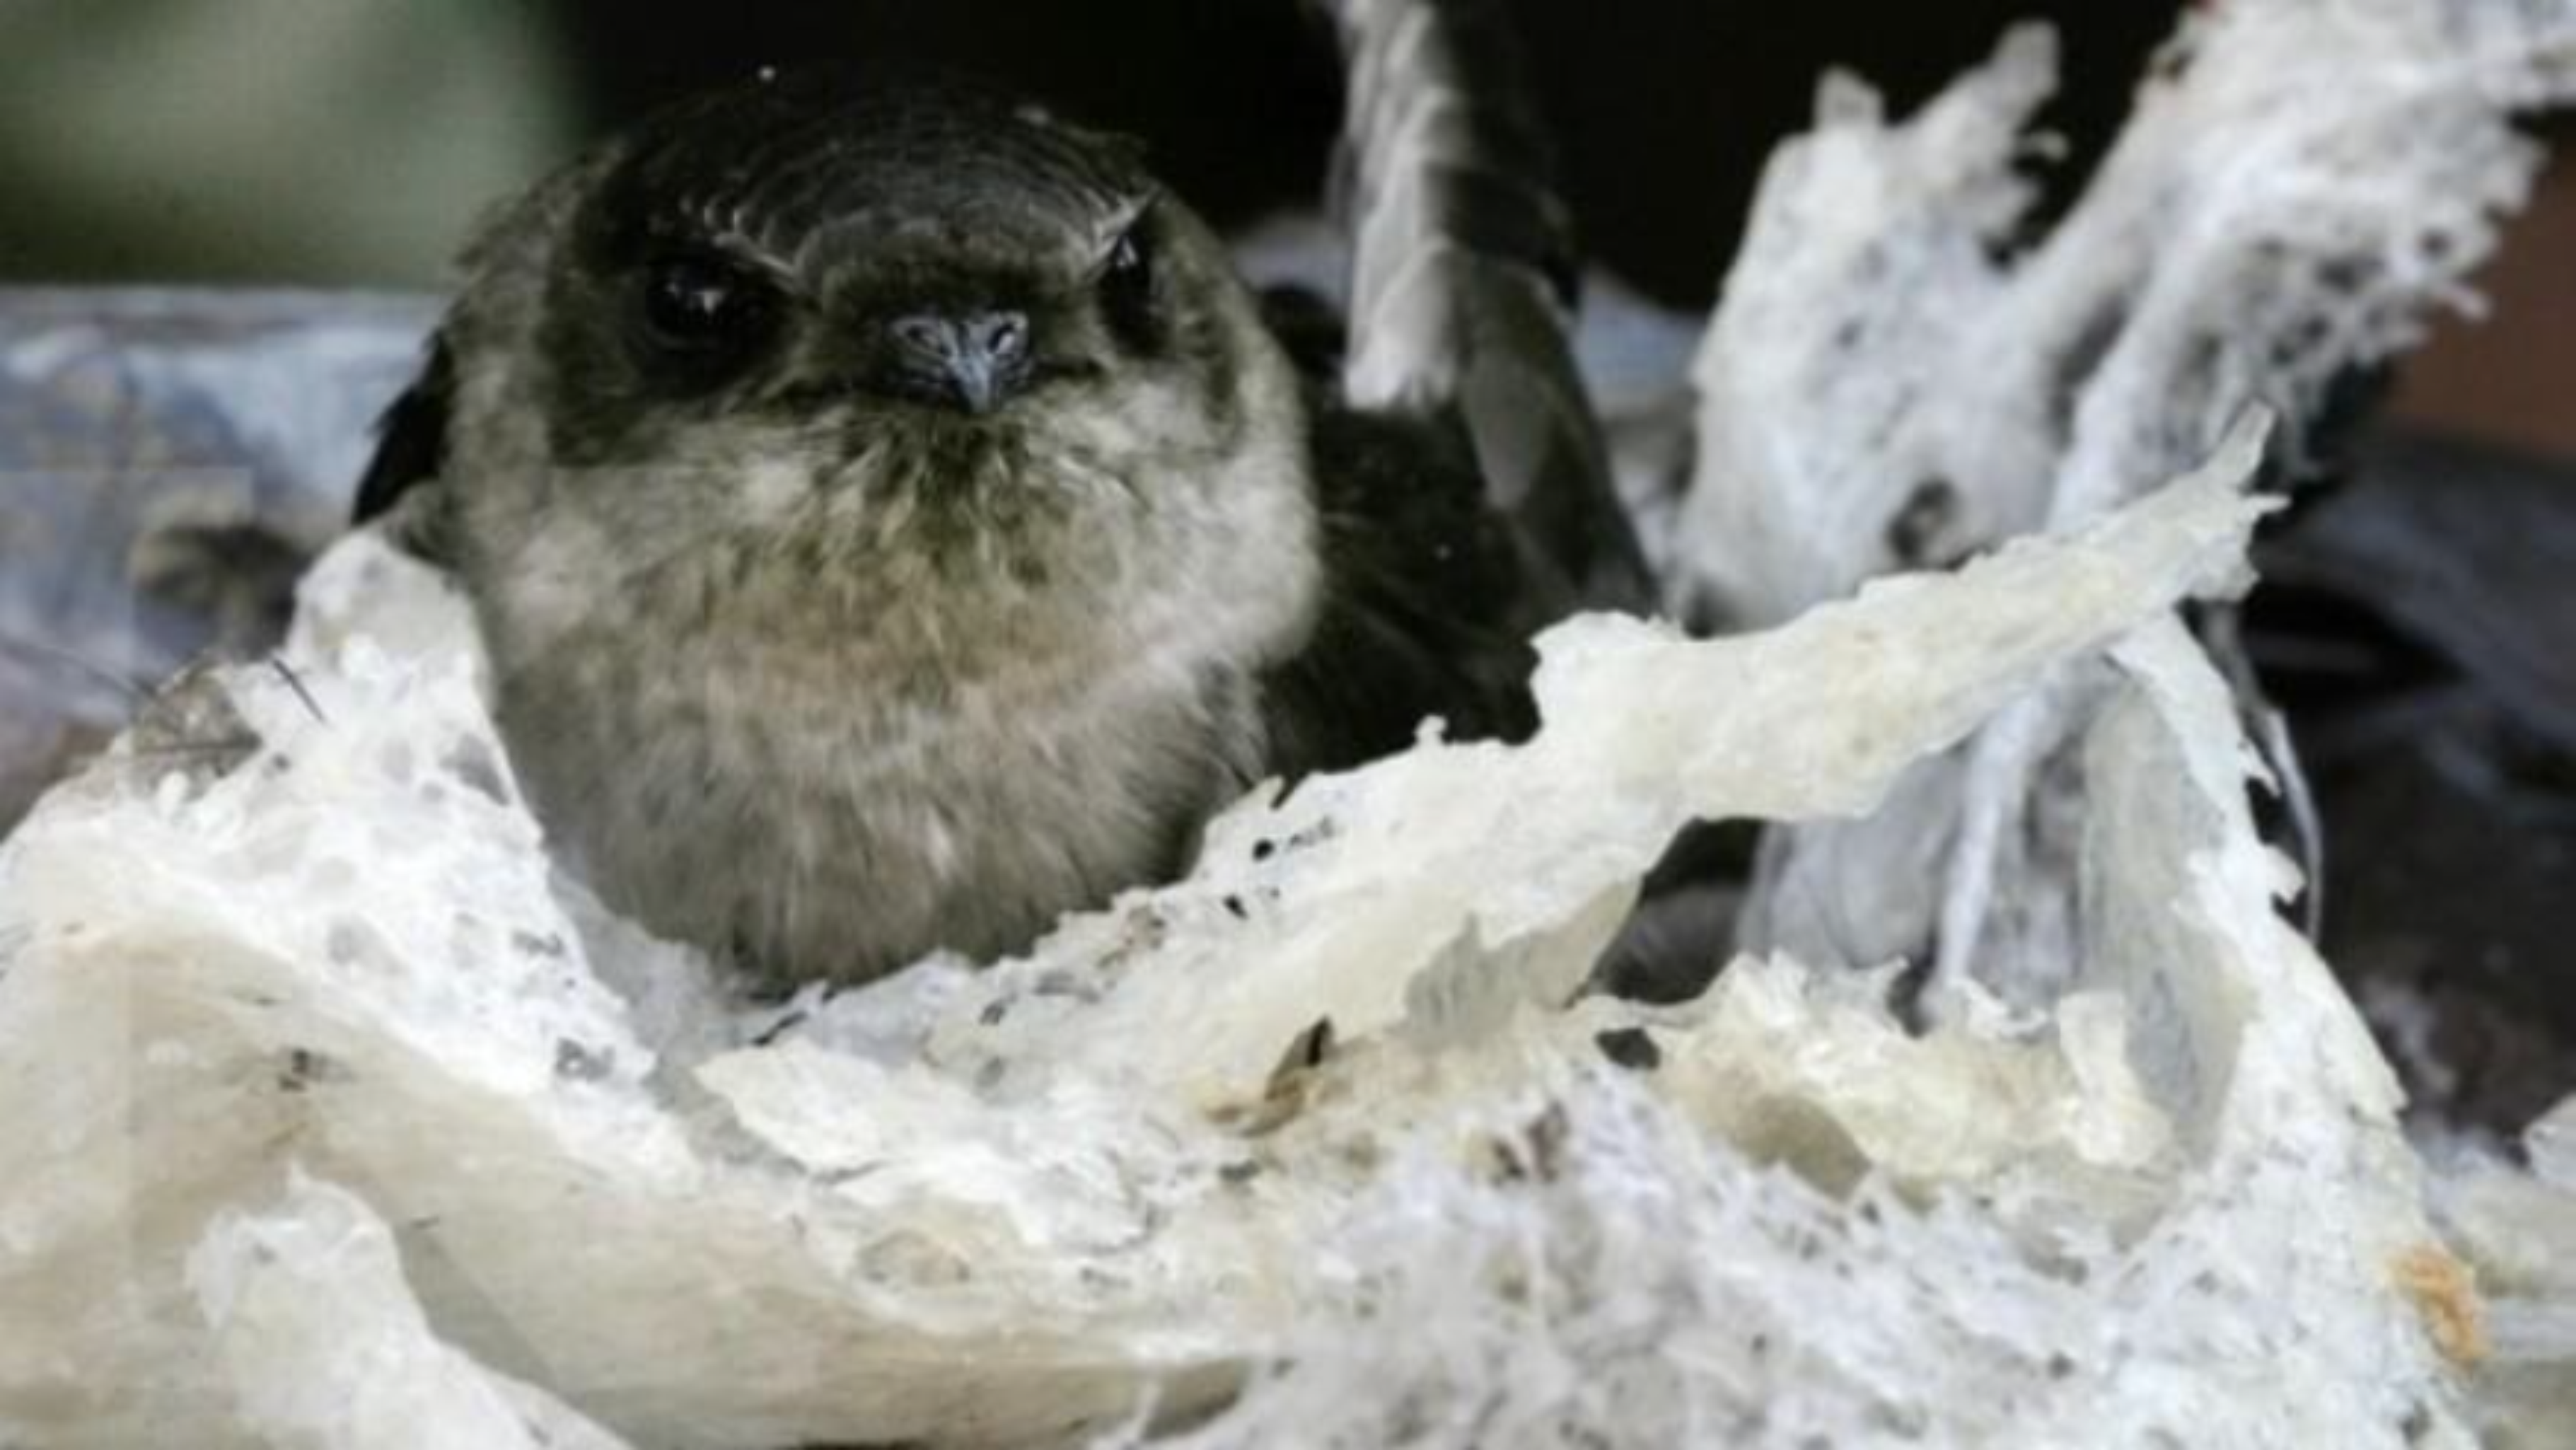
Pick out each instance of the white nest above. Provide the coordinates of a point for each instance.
(333, 1117)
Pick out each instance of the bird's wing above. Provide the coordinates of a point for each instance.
(1462, 271)
(411, 439)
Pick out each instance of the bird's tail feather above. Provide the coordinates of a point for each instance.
(1462, 275)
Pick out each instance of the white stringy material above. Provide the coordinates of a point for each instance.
(331, 1117)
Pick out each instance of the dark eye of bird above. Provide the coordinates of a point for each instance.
(1127, 288)
(704, 306)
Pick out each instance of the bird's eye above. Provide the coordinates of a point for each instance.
(1127, 259)
(1127, 286)
(702, 305)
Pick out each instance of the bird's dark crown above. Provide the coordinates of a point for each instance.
(914, 237)
(815, 166)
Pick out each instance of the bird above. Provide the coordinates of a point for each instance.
(892, 524)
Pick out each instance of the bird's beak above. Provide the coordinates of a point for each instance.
(974, 361)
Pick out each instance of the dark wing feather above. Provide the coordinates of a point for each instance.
(1462, 270)
(411, 438)
(1427, 610)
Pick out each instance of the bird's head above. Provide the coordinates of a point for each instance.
(862, 315)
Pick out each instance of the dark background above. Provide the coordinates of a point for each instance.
(1663, 109)
(1664, 112)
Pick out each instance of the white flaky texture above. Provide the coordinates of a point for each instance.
(337, 1119)
(333, 1116)
(1893, 379)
